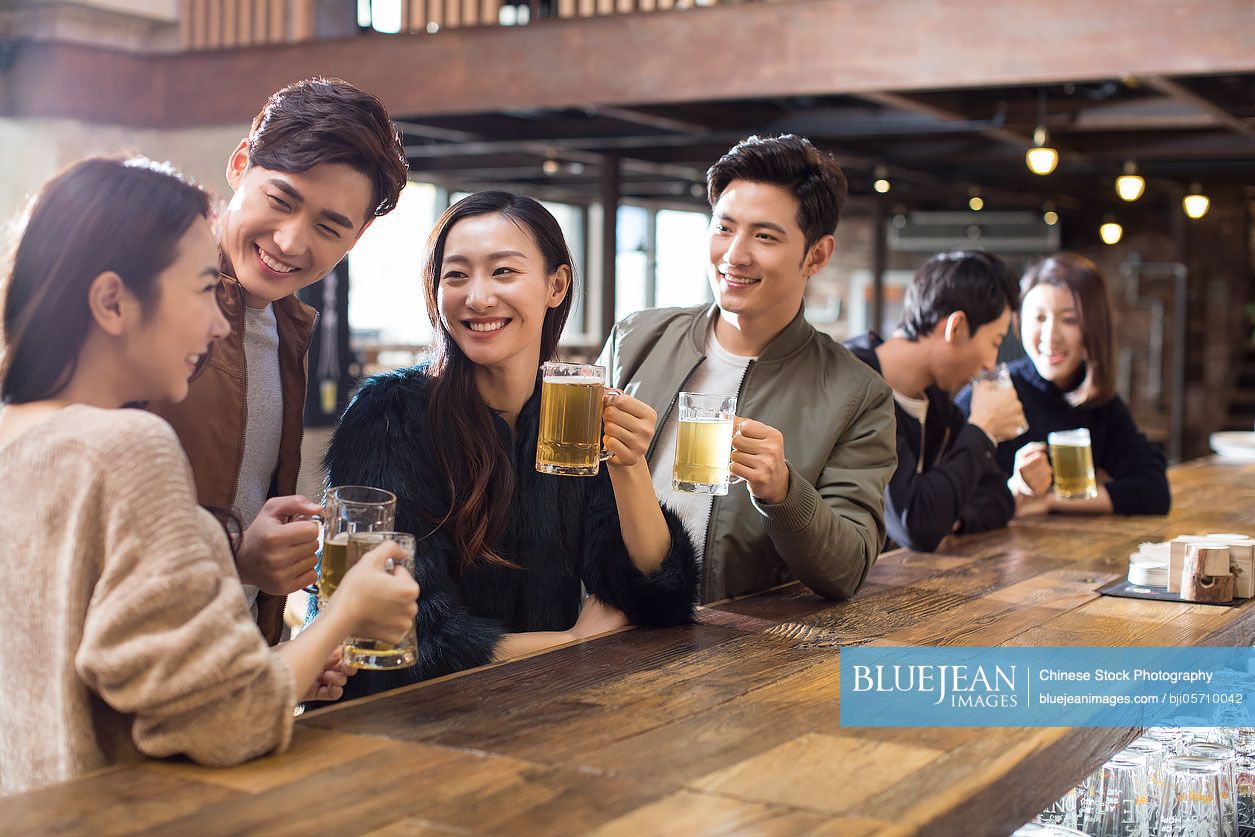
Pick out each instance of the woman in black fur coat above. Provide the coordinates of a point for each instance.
(502, 549)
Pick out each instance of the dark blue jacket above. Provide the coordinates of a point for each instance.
(563, 531)
(948, 475)
(1139, 482)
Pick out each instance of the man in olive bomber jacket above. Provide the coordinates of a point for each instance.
(815, 438)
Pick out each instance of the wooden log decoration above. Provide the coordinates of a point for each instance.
(1205, 577)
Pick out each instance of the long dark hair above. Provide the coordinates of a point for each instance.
(100, 214)
(477, 467)
(1082, 278)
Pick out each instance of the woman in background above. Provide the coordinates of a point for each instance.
(1067, 381)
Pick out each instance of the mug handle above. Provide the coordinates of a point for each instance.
(733, 479)
(610, 394)
(316, 518)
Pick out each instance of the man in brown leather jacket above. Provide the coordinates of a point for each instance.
(815, 429)
(321, 161)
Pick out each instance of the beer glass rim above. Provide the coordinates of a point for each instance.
(567, 366)
(1210, 750)
(382, 497)
(1075, 436)
(1193, 765)
(994, 374)
(401, 538)
(707, 395)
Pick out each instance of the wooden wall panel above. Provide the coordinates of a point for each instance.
(230, 23)
(418, 15)
(277, 32)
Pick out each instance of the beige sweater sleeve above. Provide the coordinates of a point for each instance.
(168, 636)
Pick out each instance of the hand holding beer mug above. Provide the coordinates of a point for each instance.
(572, 398)
(378, 647)
(996, 408)
(348, 509)
(1031, 475)
(629, 428)
(703, 444)
(758, 458)
(1073, 460)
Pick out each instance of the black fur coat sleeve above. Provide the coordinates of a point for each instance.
(379, 443)
(664, 597)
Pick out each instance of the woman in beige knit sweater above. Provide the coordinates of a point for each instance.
(126, 630)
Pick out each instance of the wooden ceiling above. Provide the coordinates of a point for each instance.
(944, 95)
(936, 145)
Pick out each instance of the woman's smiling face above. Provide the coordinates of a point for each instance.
(1050, 328)
(494, 291)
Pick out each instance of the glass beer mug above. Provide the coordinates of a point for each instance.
(365, 652)
(1073, 463)
(703, 444)
(348, 509)
(569, 440)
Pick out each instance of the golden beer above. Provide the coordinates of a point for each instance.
(1072, 458)
(348, 508)
(334, 566)
(569, 441)
(374, 654)
(702, 451)
(703, 443)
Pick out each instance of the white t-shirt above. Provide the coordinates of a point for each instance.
(719, 374)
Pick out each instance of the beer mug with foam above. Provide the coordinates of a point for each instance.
(703, 443)
(569, 439)
(1073, 462)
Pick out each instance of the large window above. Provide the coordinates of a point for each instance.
(386, 302)
(683, 258)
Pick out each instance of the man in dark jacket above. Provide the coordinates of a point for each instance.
(955, 316)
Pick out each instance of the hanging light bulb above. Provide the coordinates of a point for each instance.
(1050, 217)
(882, 180)
(1130, 185)
(1196, 203)
(550, 167)
(1041, 158)
(1111, 231)
(974, 201)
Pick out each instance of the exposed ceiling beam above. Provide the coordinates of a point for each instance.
(417, 129)
(649, 120)
(912, 105)
(1176, 90)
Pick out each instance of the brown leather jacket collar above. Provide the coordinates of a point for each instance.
(210, 422)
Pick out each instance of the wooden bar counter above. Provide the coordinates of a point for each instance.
(726, 726)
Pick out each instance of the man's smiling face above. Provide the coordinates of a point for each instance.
(285, 230)
(758, 252)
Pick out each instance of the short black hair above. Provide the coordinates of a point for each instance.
(792, 163)
(976, 282)
(327, 120)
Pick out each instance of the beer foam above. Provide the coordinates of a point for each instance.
(583, 380)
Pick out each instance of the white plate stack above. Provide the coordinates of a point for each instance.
(1234, 444)
(1148, 567)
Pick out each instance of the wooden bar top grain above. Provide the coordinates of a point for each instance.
(729, 725)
